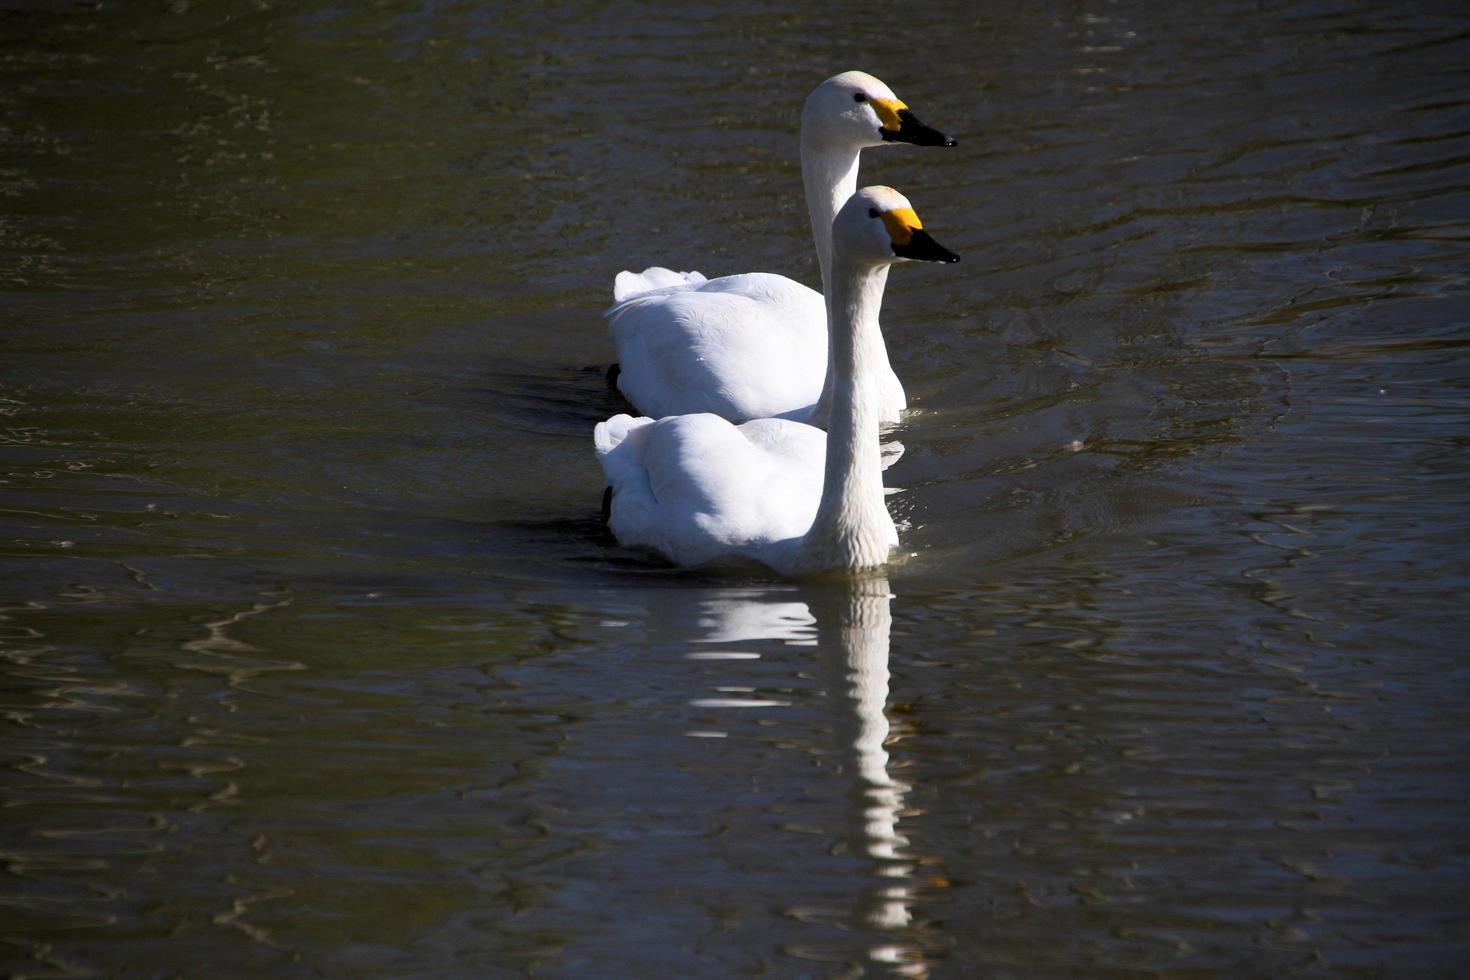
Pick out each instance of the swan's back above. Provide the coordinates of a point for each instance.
(741, 347)
(696, 487)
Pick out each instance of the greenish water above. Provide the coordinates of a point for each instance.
(315, 659)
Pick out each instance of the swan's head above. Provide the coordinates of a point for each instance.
(855, 109)
(877, 225)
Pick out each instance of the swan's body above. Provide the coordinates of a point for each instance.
(697, 487)
(755, 346)
(741, 347)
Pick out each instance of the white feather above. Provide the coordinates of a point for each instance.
(696, 487)
(751, 346)
(627, 285)
(754, 346)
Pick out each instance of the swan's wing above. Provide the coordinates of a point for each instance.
(803, 451)
(796, 446)
(749, 346)
(696, 487)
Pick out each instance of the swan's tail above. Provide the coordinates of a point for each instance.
(630, 284)
(628, 504)
(621, 432)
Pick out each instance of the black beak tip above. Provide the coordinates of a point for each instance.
(913, 130)
(922, 248)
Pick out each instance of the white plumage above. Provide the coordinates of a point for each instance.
(750, 346)
(755, 346)
(697, 487)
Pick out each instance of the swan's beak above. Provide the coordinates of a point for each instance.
(902, 126)
(925, 249)
(911, 241)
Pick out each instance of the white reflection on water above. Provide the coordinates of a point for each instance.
(849, 624)
(863, 621)
(752, 616)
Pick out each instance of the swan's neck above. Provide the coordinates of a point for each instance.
(852, 526)
(830, 176)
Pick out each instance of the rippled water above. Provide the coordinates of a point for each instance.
(315, 658)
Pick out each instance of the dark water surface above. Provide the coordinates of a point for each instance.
(314, 659)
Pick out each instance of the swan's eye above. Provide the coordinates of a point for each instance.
(859, 97)
(872, 212)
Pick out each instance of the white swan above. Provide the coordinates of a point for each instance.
(755, 346)
(697, 487)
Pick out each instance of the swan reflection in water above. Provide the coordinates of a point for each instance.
(849, 625)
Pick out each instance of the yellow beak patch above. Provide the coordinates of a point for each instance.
(901, 224)
(887, 110)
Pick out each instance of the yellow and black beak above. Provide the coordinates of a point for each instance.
(911, 241)
(899, 125)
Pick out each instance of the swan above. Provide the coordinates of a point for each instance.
(697, 487)
(755, 346)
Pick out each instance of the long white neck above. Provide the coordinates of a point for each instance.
(829, 174)
(852, 526)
